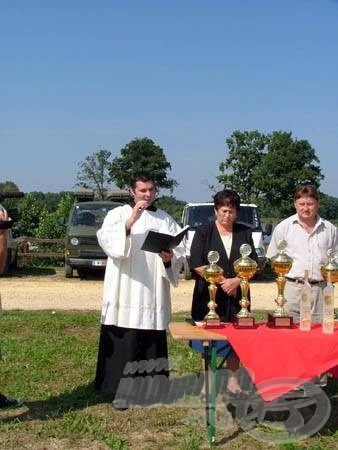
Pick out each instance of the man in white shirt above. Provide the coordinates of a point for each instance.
(308, 238)
(136, 299)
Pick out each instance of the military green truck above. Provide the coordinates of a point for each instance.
(82, 250)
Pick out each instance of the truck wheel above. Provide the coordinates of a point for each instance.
(186, 270)
(68, 271)
(82, 273)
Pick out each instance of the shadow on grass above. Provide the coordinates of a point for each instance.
(91, 274)
(31, 271)
(35, 271)
(84, 396)
(81, 397)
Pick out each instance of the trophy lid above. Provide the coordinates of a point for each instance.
(245, 260)
(245, 250)
(281, 256)
(213, 268)
(331, 264)
(213, 257)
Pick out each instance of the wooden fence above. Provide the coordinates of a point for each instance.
(31, 247)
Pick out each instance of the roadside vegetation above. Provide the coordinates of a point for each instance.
(263, 168)
(49, 361)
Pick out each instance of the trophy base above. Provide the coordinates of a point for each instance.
(244, 322)
(279, 321)
(212, 322)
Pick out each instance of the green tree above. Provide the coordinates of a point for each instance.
(8, 186)
(50, 200)
(94, 172)
(49, 227)
(141, 154)
(5, 187)
(52, 225)
(245, 153)
(328, 207)
(171, 206)
(266, 169)
(31, 209)
(65, 205)
(287, 163)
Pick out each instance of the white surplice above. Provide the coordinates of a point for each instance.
(136, 290)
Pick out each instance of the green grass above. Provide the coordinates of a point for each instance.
(49, 361)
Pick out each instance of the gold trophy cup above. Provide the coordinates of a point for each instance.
(245, 268)
(330, 269)
(213, 273)
(281, 265)
(329, 272)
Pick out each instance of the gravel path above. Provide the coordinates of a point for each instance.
(51, 291)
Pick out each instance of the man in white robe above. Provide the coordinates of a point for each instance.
(136, 298)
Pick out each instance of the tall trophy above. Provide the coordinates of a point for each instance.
(330, 269)
(330, 274)
(213, 273)
(245, 268)
(281, 265)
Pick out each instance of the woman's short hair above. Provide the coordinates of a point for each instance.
(227, 197)
(306, 190)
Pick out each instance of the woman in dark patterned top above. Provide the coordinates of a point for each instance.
(226, 237)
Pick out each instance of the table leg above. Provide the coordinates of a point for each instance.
(210, 368)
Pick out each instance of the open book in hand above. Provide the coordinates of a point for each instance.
(157, 242)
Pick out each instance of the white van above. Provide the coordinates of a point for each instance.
(196, 214)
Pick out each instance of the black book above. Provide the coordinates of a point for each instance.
(157, 242)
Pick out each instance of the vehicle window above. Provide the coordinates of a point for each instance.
(197, 215)
(248, 216)
(100, 213)
(91, 215)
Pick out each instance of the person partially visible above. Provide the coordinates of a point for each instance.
(5, 401)
(226, 237)
(3, 238)
(136, 300)
(308, 238)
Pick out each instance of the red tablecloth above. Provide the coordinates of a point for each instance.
(280, 360)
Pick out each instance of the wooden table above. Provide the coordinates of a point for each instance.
(187, 331)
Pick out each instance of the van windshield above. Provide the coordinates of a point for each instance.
(90, 215)
(199, 214)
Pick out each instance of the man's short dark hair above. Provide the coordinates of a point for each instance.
(141, 175)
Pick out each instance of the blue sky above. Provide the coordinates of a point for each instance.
(78, 76)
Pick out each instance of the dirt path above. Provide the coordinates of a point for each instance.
(51, 291)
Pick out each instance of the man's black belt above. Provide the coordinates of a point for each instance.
(301, 281)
